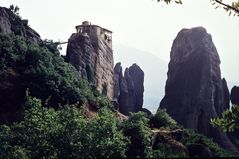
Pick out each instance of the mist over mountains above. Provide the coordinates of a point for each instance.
(155, 70)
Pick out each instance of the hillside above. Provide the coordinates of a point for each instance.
(49, 111)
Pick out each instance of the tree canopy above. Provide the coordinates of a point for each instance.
(229, 120)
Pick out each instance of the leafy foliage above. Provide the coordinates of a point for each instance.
(65, 133)
(190, 137)
(164, 151)
(137, 129)
(162, 119)
(41, 69)
(229, 120)
(168, 1)
(230, 8)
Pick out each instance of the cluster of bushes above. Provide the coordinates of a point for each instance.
(67, 133)
(64, 133)
(40, 68)
(162, 119)
(191, 137)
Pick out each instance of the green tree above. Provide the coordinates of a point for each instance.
(229, 120)
(41, 69)
(189, 137)
(162, 119)
(64, 133)
(137, 129)
(231, 8)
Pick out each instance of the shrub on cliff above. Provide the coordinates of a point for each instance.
(63, 133)
(137, 129)
(162, 119)
(41, 69)
(191, 137)
(229, 120)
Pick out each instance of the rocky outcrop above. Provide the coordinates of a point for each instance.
(226, 94)
(169, 138)
(194, 91)
(118, 77)
(10, 22)
(235, 95)
(90, 52)
(129, 89)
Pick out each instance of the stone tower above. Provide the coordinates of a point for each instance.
(89, 50)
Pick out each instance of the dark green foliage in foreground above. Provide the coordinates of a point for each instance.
(164, 151)
(190, 137)
(137, 129)
(65, 133)
(229, 120)
(162, 119)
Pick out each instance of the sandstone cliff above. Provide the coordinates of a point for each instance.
(129, 89)
(194, 91)
(90, 52)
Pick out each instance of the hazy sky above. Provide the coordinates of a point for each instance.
(142, 24)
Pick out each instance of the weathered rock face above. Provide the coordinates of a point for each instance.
(90, 52)
(235, 95)
(129, 89)
(194, 91)
(118, 77)
(226, 93)
(9, 22)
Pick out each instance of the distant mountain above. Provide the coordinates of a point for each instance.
(155, 70)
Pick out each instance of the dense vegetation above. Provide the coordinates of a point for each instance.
(63, 133)
(40, 69)
(51, 103)
(162, 119)
(191, 137)
(69, 133)
(229, 120)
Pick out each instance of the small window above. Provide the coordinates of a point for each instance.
(106, 37)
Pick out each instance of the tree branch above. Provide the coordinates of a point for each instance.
(228, 6)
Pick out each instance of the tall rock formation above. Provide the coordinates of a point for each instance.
(194, 91)
(235, 95)
(129, 89)
(10, 22)
(90, 52)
